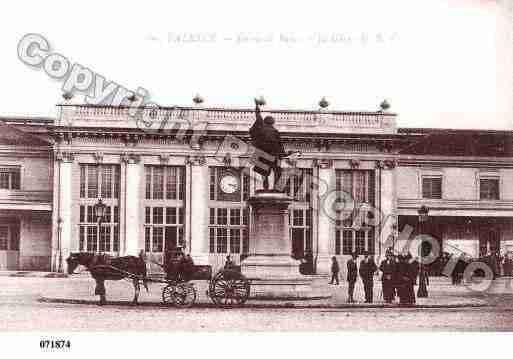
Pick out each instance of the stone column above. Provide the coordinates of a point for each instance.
(388, 205)
(198, 209)
(326, 225)
(133, 227)
(64, 210)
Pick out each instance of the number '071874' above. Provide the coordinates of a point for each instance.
(55, 344)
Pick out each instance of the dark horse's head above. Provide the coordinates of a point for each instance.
(76, 259)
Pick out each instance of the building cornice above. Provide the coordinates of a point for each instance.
(454, 161)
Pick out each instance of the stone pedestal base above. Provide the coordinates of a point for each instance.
(272, 271)
(277, 277)
(286, 289)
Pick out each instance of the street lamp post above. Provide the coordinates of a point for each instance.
(422, 292)
(99, 212)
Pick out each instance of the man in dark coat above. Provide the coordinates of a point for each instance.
(367, 270)
(334, 271)
(388, 268)
(406, 277)
(352, 275)
(494, 264)
(508, 264)
(229, 263)
(267, 139)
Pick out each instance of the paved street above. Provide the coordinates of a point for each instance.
(21, 308)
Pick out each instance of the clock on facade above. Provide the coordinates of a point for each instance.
(229, 184)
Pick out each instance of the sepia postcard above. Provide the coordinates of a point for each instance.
(170, 170)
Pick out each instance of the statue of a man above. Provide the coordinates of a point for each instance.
(266, 138)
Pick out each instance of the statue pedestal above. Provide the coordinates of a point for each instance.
(274, 274)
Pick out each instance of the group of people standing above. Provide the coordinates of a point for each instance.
(398, 277)
(498, 265)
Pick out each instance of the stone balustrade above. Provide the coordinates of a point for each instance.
(229, 119)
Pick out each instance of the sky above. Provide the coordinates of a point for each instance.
(439, 63)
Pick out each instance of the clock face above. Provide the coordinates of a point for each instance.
(229, 184)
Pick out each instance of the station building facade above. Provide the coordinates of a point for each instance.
(180, 175)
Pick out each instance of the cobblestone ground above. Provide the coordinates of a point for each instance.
(21, 308)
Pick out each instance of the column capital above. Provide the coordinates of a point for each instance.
(164, 158)
(354, 163)
(98, 157)
(386, 164)
(62, 156)
(197, 160)
(131, 158)
(324, 163)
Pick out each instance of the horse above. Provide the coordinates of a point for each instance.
(103, 267)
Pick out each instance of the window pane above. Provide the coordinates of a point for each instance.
(4, 238)
(222, 216)
(171, 237)
(158, 215)
(107, 216)
(115, 239)
(106, 181)
(337, 242)
(212, 216)
(158, 183)
(4, 180)
(147, 169)
(90, 214)
(147, 241)
(81, 238)
(360, 242)
(180, 236)
(171, 182)
(104, 244)
(489, 189)
(212, 171)
(82, 214)
(245, 241)
(147, 215)
(235, 216)
(370, 241)
(15, 178)
(212, 240)
(181, 183)
(308, 240)
(222, 240)
(245, 187)
(298, 217)
(432, 188)
(235, 240)
(180, 215)
(171, 215)
(117, 181)
(245, 217)
(116, 214)
(360, 188)
(158, 239)
(92, 181)
(347, 242)
(371, 187)
(92, 244)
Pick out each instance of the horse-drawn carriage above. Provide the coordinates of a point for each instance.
(227, 288)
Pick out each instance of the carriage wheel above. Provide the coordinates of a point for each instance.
(185, 295)
(180, 294)
(229, 289)
(168, 294)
